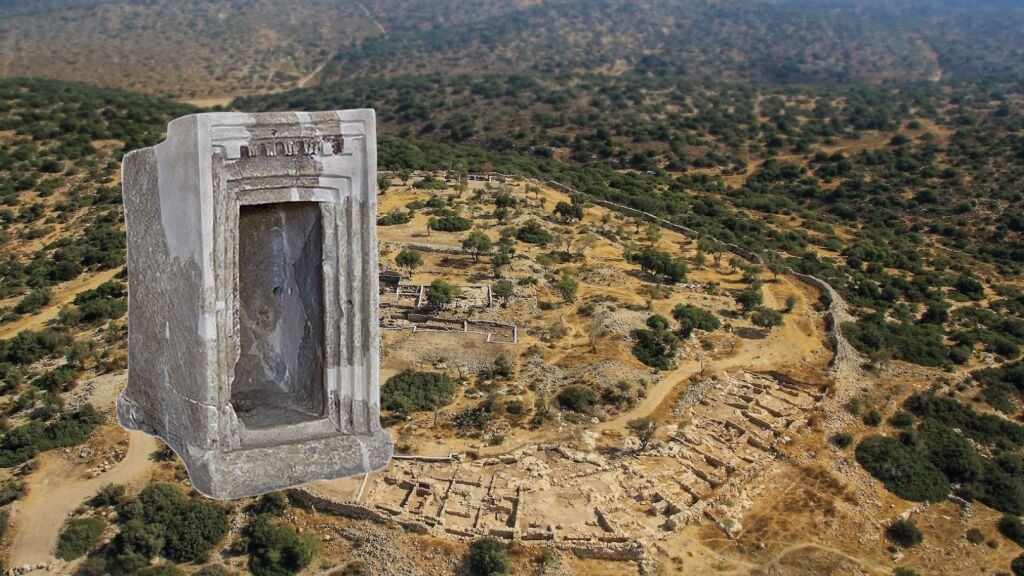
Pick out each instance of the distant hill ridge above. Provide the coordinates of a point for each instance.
(220, 48)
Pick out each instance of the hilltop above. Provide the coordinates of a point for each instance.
(623, 393)
(210, 51)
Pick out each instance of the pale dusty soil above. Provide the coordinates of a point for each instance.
(806, 523)
(57, 488)
(62, 294)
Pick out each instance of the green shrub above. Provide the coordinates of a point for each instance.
(567, 287)
(108, 495)
(33, 301)
(411, 391)
(139, 540)
(657, 346)
(27, 347)
(842, 440)
(26, 441)
(1018, 565)
(902, 471)
(11, 490)
(59, 379)
(441, 293)
(692, 318)
(78, 536)
(902, 419)
(766, 318)
(488, 557)
(1013, 529)
(1000, 384)
(905, 533)
(750, 299)
(429, 182)
(474, 418)
(190, 527)
(503, 368)
(106, 302)
(533, 233)
(394, 218)
(503, 290)
(577, 398)
(276, 549)
(873, 418)
(450, 223)
(272, 503)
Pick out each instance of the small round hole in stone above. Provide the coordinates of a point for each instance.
(278, 290)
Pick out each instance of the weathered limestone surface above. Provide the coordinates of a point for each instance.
(252, 262)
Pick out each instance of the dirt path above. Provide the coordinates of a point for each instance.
(225, 100)
(786, 346)
(793, 344)
(57, 488)
(62, 294)
(862, 562)
(309, 77)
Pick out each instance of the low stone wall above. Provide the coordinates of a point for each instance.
(352, 510)
(435, 248)
(837, 312)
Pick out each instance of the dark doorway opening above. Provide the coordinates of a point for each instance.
(279, 376)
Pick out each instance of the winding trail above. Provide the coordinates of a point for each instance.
(57, 487)
(63, 294)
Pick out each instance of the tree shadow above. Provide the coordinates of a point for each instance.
(750, 333)
(459, 263)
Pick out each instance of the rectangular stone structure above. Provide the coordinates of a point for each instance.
(253, 346)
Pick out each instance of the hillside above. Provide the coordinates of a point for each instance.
(195, 50)
(207, 51)
(660, 399)
(775, 42)
(906, 197)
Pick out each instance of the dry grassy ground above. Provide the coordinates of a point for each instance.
(811, 511)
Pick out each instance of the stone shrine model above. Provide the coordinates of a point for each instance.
(253, 345)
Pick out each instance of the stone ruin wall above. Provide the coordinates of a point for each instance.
(844, 368)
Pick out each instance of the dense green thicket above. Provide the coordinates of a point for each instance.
(78, 536)
(277, 549)
(20, 444)
(55, 128)
(411, 391)
(577, 398)
(908, 255)
(918, 343)
(1001, 385)
(655, 345)
(925, 460)
(905, 533)
(903, 472)
(488, 557)
(162, 521)
(984, 428)
(692, 318)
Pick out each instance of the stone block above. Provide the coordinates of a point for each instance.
(253, 346)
